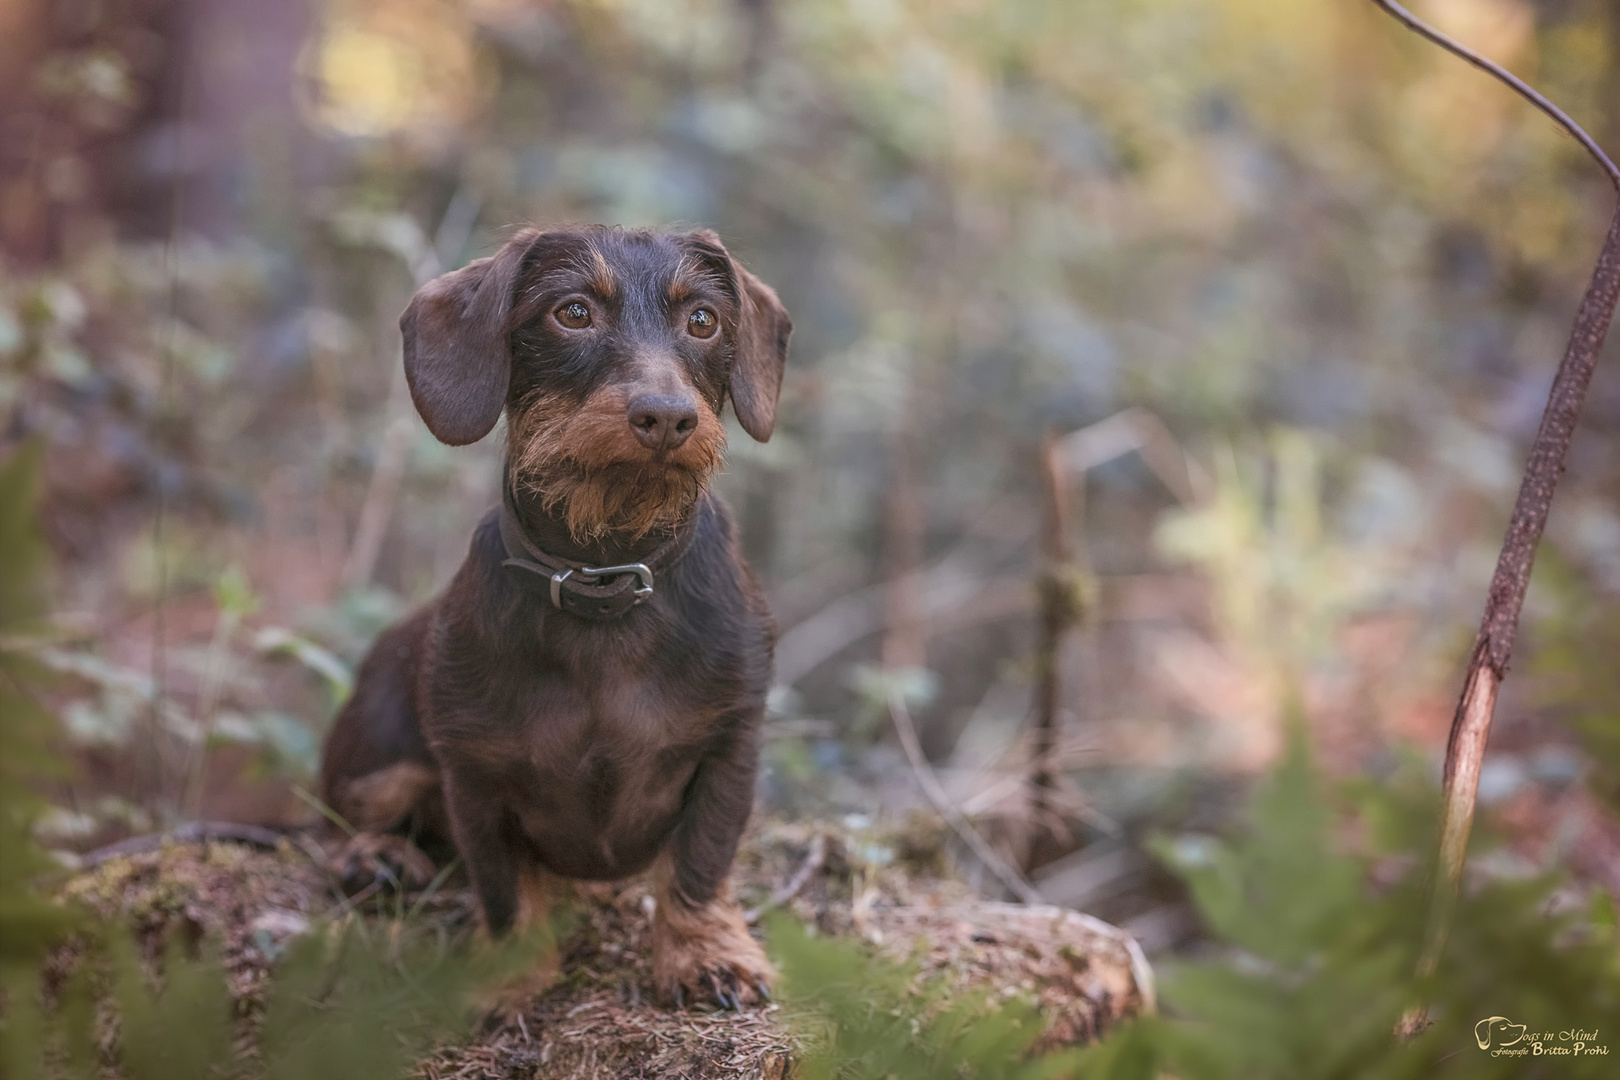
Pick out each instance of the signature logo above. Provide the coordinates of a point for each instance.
(1497, 1031)
(1501, 1037)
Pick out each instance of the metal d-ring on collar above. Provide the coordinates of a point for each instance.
(590, 592)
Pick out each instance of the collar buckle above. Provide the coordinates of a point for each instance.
(642, 571)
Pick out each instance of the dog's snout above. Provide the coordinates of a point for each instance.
(663, 421)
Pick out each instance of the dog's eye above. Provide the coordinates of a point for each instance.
(575, 316)
(702, 323)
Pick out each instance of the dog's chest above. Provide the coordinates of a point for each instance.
(596, 732)
(596, 777)
(630, 720)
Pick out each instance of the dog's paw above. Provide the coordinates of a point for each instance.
(505, 1006)
(380, 860)
(707, 954)
(520, 969)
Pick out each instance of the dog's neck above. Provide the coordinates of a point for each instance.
(548, 531)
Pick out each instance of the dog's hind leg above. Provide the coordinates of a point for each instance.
(376, 774)
(375, 805)
(381, 801)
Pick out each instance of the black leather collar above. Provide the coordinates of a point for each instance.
(598, 593)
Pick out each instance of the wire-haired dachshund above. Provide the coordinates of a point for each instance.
(586, 697)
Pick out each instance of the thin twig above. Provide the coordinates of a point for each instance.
(801, 877)
(1487, 666)
(433, 887)
(319, 805)
(168, 351)
(1137, 430)
(218, 657)
(1523, 89)
(953, 593)
(1061, 587)
(1065, 583)
(997, 866)
(382, 492)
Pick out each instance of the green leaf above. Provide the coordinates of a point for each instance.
(182, 1030)
(234, 594)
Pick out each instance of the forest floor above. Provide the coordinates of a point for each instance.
(599, 1019)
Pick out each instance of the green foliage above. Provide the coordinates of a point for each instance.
(28, 924)
(335, 676)
(1276, 892)
(342, 1005)
(346, 1001)
(1577, 638)
(345, 1004)
(234, 595)
(874, 686)
(180, 1028)
(1313, 979)
(1285, 578)
(1317, 960)
(25, 921)
(1317, 946)
(869, 1019)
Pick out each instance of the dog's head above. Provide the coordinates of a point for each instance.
(612, 352)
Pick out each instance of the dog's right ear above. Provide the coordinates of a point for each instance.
(457, 360)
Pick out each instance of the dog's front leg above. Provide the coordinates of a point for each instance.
(513, 891)
(478, 823)
(701, 943)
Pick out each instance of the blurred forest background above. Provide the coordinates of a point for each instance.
(1306, 275)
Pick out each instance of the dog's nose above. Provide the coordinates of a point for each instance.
(662, 421)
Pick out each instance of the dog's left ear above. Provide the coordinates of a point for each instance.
(763, 328)
(457, 360)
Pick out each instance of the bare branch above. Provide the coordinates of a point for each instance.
(1523, 89)
(1061, 585)
(192, 832)
(1487, 666)
(1137, 429)
(801, 877)
(993, 862)
(382, 491)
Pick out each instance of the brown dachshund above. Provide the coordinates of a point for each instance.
(585, 699)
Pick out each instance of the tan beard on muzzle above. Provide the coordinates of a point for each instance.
(585, 465)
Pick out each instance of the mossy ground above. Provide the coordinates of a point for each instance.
(599, 1018)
